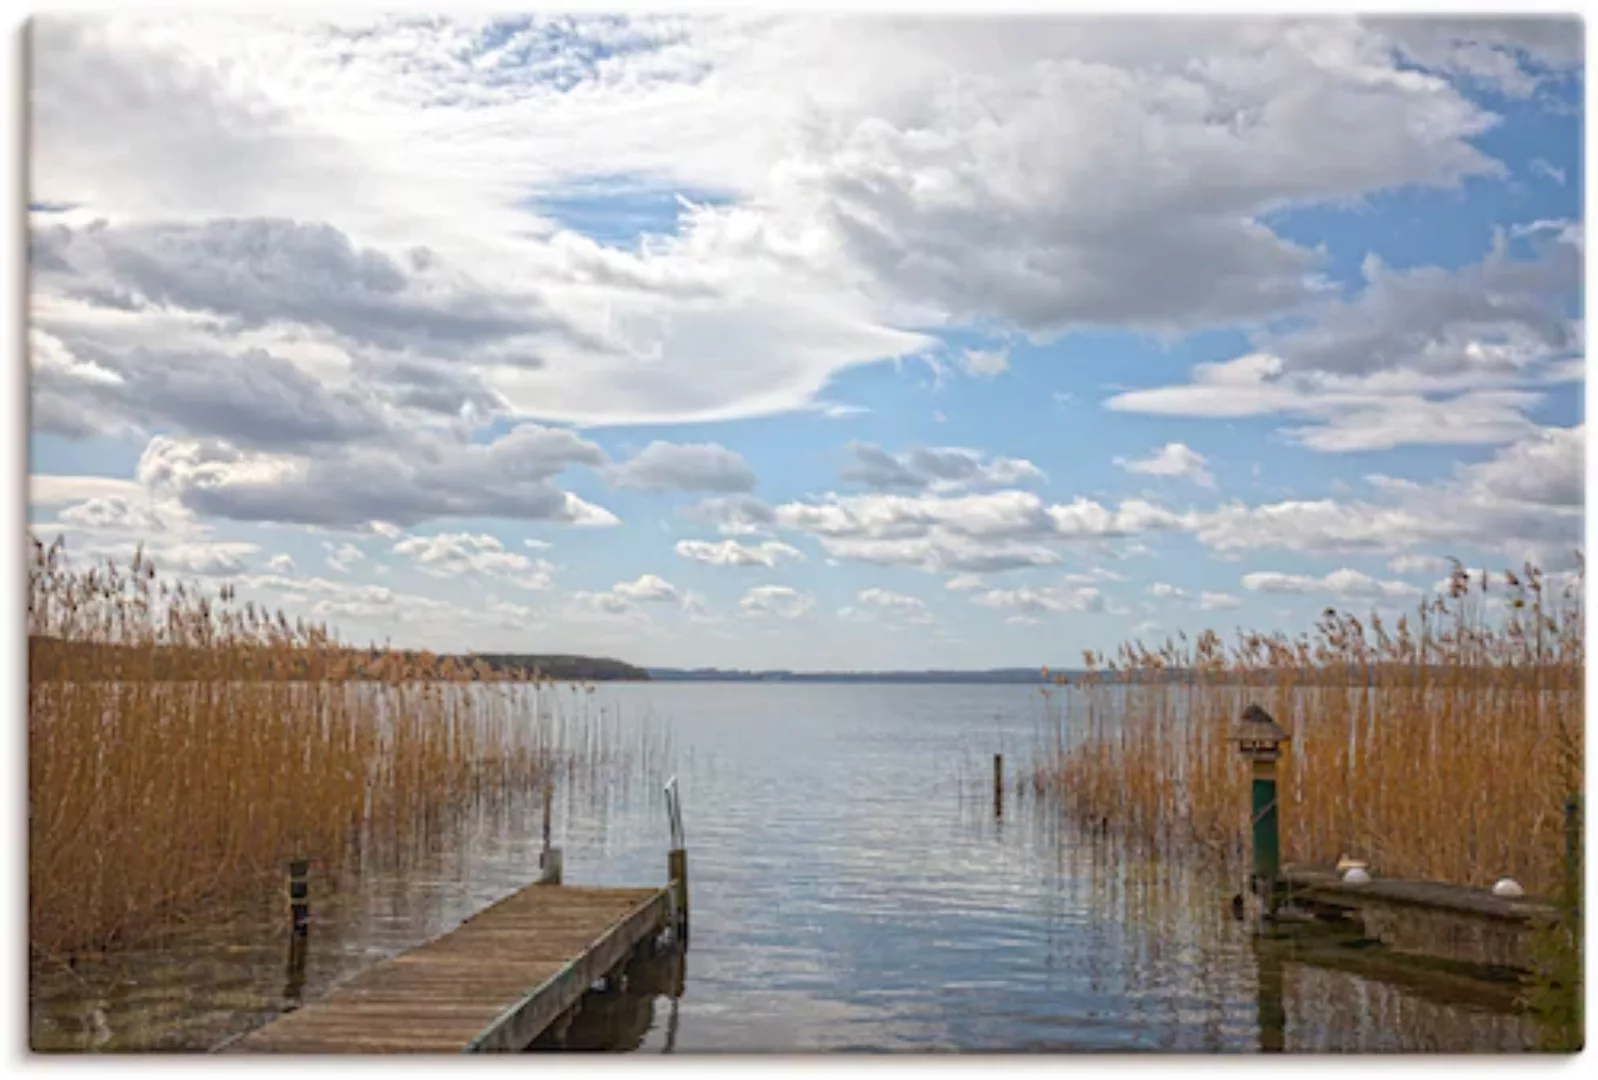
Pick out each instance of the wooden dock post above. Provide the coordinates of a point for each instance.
(551, 864)
(300, 896)
(1260, 739)
(677, 874)
(998, 785)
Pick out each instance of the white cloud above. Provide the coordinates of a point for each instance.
(449, 555)
(736, 515)
(1345, 584)
(1417, 564)
(621, 600)
(1483, 505)
(936, 469)
(1542, 167)
(964, 582)
(733, 553)
(343, 556)
(647, 588)
(1548, 468)
(877, 176)
(401, 481)
(180, 559)
(663, 466)
(1213, 601)
(1166, 591)
(281, 564)
(121, 514)
(985, 363)
(1423, 356)
(776, 600)
(908, 607)
(1046, 600)
(54, 490)
(1173, 460)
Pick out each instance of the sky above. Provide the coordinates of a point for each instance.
(760, 341)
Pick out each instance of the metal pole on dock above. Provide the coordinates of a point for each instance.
(998, 785)
(677, 860)
(1260, 739)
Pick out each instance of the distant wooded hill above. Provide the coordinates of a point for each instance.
(52, 658)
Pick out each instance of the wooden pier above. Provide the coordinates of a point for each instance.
(497, 982)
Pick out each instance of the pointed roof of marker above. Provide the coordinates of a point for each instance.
(1256, 725)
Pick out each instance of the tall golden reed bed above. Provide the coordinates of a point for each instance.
(1442, 747)
(182, 747)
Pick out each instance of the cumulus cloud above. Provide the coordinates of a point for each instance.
(1513, 56)
(976, 533)
(1548, 468)
(622, 598)
(120, 514)
(647, 588)
(456, 554)
(937, 469)
(1480, 505)
(779, 601)
(404, 483)
(888, 175)
(255, 272)
(1424, 356)
(882, 600)
(1345, 584)
(342, 557)
(175, 559)
(1214, 601)
(663, 466)
(733, 553)
(737, 515)
(1173, 460)
(1045, 600)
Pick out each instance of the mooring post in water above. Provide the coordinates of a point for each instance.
(677, 861)
(300, 896)
(998, 785)
(1260, 739)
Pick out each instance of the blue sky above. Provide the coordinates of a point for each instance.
(758, 342)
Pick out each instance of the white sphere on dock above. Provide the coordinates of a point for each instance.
(1356, 875)
(1508, 887)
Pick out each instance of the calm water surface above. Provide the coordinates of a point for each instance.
(851, 890)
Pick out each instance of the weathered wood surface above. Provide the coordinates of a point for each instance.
(494, 983)
(1325, 884)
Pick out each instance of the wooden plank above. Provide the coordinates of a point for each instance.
(1325, 884)
(523, 1022)
(493, 983)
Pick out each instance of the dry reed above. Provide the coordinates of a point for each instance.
(181, 747)
(1440, 748)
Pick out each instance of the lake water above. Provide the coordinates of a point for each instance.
(852, 890)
